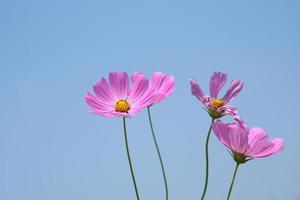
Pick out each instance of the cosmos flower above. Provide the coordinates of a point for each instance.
(218, 107)
(116, 98)
(162, 86)
(246, 144)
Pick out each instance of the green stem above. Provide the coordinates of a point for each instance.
(129, 160)
(207, 160)
(232, 181)
(159, 155)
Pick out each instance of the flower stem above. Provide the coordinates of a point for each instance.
(232, 181)
(207, 160)
(159, 155)
(129, 160)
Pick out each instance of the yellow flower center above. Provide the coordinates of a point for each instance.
(122, 106)
(217, 103)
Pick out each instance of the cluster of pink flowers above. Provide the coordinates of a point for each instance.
(124, 97)
(237, 137)
(245, 144)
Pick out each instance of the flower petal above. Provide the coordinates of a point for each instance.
(119, 84)
(197, 92)
(221, 130)
(120, 114)
(278, 144)
(232, 136)
(139, 96)
(232, 111)
(163, 85)
(103, 92)
(217, 81)
(233, 90)
(97, 107)
(265, 148)
(139, 87)
(257, 134)
(260, 149)
(238, 138)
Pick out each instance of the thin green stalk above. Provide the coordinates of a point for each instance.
(207, 160)
(232, 181)
(159, 155)
(129, 160)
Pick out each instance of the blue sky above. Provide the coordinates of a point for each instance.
(53, 52)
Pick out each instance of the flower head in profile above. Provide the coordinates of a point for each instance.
(115, 98)
(246, 144)
(162, 86)
(215, 106)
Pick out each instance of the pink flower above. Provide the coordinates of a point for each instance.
(246, 143)
(116, 99)
(162, 86)
(218, 107)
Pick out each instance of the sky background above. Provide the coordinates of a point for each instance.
(52, 52)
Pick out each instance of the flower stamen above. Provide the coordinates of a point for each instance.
(122, 106)
(217, 103)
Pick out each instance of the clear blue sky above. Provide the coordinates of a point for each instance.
(51, 53)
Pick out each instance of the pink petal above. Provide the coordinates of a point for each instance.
(120, 114)
(232, 136)
(217, 81)
(278, 145)
(257, 134)
(221, 130)
(163, 85)
(197, 92)
(103, 92)
(260, 149)
(139, 96)
(228, 110)
(158, 97)
(232, 111)
(139, 87)
(240, 121)
(263, 148)
(145, 100)
(135, 110)
(233, 90)
(136, 76)
(97, 107)
(119, 84)
(238, 138)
